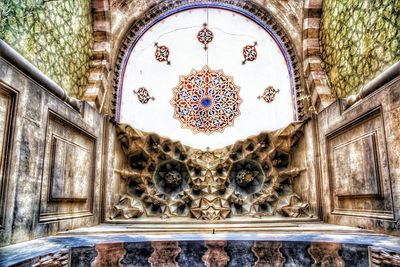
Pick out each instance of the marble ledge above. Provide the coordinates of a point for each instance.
(104, 234)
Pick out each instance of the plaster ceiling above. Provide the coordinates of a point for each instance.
(169, 56)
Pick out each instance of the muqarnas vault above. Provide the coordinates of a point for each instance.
(252, 177)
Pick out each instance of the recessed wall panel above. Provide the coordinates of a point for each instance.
(356, 168)
(68, 180)
(71, 171)
(358, 176)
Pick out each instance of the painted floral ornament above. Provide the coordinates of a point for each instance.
(269, 94)
(143, 95)
(249, 53)
(205, 36)
(206, 101)
(162, 53)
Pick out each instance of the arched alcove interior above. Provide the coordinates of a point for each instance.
(157, 90)
(206, 104)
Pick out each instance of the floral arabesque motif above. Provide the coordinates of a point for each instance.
(205, 36)
(162, 53)
(206, 101)
(249, 53)
(269, 94)
(143, 95)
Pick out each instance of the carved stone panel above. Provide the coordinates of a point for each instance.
(69, 175)
(358, 161)
(68, 179)
(357, 168)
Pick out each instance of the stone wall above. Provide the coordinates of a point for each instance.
(51, 158)
(56, 36)
(359, 150)
(359, 39)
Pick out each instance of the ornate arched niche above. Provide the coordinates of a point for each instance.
(191, 79)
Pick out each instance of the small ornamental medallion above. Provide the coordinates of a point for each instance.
(205, 36)
(249, 53)
(269, 94)
(143, 95)
(162, 53)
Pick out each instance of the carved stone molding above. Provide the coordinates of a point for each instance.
(164, 253)
(216, 255)
(383, 257)
(161, 8)
(109, 254)
(326, 254)
(268, 253)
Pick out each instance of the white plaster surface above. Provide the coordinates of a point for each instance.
(232, 32)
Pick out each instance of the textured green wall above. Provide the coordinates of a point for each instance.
(360, 39)
(55, 35)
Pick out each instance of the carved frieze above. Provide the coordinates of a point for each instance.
(216, 255)
(109, 254)
(252, 177)
(268, 253)
(326, 254)
(164, 253)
